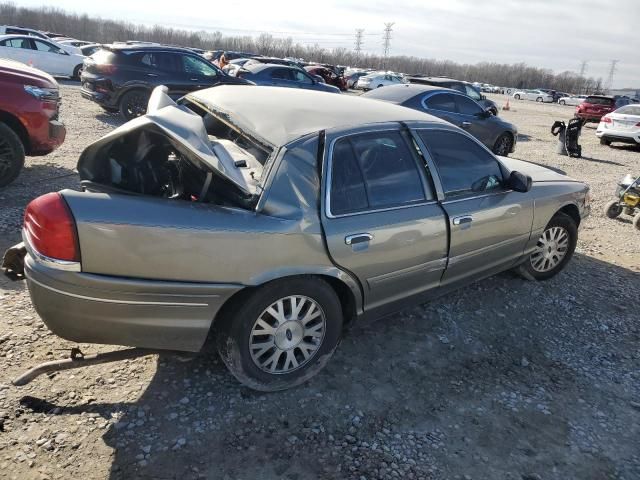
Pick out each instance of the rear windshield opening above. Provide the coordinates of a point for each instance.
(599, 101)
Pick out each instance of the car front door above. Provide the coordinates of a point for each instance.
(475, 120)
(201, 74)
(169, 71)
(380, 215)
(53, 57)
(489, 223)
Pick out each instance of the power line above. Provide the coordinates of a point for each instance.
(583, 67)
(359, 42)
(387, 41)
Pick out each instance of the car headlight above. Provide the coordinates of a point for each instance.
(42, 93)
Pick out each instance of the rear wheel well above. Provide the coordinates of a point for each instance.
(342, 290)
(573, 212)
(14, 124)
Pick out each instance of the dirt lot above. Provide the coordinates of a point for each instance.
(506, 379)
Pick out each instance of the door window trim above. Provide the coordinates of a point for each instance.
(453, 92)
(328, 162)
(435, 173)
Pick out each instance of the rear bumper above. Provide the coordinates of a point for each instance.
(618, 135)
(102, 99)
(89, 308)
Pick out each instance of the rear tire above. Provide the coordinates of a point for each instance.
(517, 97)
(380, 86)
(296, 349)
(133, 104)
(11, 155)
(554, 249)
(539, 99)
(613, 209)
(604, 141)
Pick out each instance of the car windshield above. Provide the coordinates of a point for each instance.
(629, 110)
(599, 101)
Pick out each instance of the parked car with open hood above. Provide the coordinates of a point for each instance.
(29, 124)
(282, 76)
(467, 88)
(276, 217)
(456, 108)
(328, 75)
(121, 77)
(42, 54)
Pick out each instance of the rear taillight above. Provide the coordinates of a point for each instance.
(606, 119)
(50, 228)
(106, 68)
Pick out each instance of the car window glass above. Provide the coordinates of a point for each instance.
(45, 47)
(301, 77)
(195, 66)
(463, 165)
(466, 106)
(441, 101)
(149, 60)
(281, 74)
(17, 43)
(471, 92)
(168, 62)
(374, 170)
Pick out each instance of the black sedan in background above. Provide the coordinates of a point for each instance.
(450, 105)
(121, 77)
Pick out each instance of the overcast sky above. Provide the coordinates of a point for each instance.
(556, 34)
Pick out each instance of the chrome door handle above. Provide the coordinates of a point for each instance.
(151, 75)
(194, 79)
(358, 238)
(462, 220)
(466, 124)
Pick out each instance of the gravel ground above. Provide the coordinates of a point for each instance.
(506, 379)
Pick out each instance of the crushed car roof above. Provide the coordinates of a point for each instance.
(281, 115)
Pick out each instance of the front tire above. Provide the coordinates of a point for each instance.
(517, 97)
(613, 209)
(11, 155)
(539, 99)
(380, 86)
(503, 145)
(562, 102)
(133, 104)
(554, 249)
(282, 334)
(77, 72)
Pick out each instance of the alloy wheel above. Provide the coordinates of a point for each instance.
(287, 334)
(551, 249)
(503, 147)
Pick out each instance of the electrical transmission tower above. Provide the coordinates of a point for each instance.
(583, 72)
(612, 71)
(359, 42)
(386, 38)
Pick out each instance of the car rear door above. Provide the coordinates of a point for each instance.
(442, 105)
(171, 72)
(380, 215)
(489, 224)
(21, 49)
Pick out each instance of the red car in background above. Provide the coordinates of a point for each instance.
(594, 107)
(29, 125)
(329, 76)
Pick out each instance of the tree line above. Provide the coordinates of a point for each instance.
(85, 27)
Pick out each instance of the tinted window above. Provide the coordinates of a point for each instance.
(599, 101)
(169, 62)
(472, 92)
(17, 43)
(281, 74)
(463, 165)
(46, 47)
(466, 106)
(373, 170)
(195, 66)
(442, 101)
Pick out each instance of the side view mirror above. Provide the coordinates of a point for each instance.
(519, 182)
(484, 114)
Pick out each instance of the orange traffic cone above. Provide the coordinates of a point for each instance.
(506, 106)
